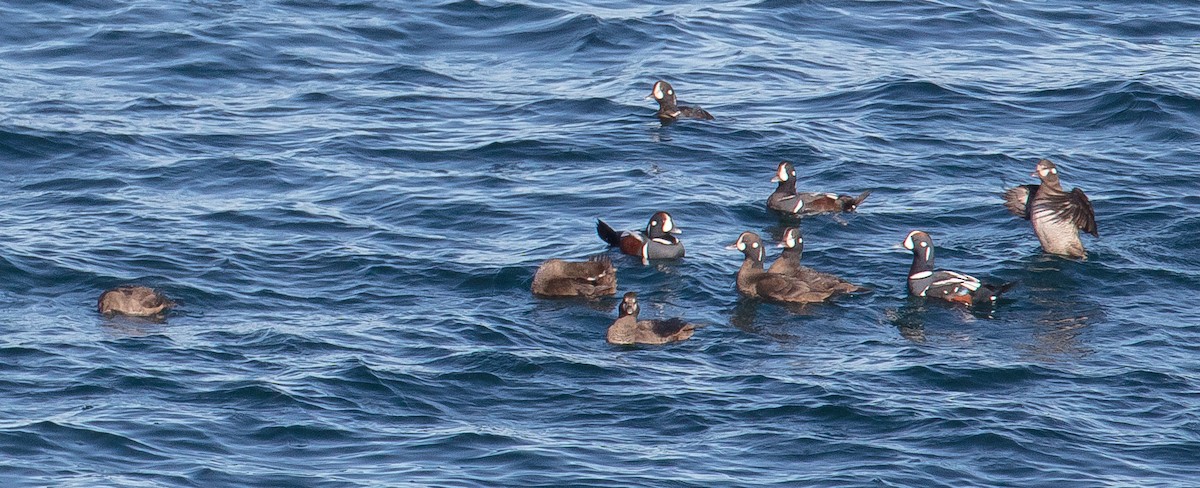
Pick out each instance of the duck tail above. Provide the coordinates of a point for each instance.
(612, 237)
(989, 293)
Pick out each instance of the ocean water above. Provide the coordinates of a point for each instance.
(349, 200)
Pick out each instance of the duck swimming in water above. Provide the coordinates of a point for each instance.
(137, 301)
(1056, 214)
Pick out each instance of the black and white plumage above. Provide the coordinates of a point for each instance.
(668, 108)
(787, 201)
(925, 281)
(658, 241)
(1057, 215)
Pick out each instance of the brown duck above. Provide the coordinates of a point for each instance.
(754, 281)
(138, 301)
(593, 278)
(627, 329)
(788, 264)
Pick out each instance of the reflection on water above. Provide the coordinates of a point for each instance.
(1049, 287)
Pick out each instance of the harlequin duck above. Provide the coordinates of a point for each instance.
(1057, 216)
(668, 111)
(786, 200)
(138, 301)
(627, 329)
(788, 264)
(593, 278)
(656, 242)
(924, 281)
(755, 282)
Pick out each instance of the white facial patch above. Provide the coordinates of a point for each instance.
(783, 174)
(658, 91)
(790, 240)
(754, 245)
(670, 92)
(908, 242)
(741, 245)
(668, 225)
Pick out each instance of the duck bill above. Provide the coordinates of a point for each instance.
(775, 179)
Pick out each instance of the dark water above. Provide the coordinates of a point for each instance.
(350, 199)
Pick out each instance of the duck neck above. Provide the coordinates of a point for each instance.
(750, 268)
(922, 262)
(791, 254)
(787, 186)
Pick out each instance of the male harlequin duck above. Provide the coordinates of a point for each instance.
(924, 281)
(786, 200)
(593, 278)
(788, 264)
(656, 242)
(755, 282)
(138, 301)
(1057, 216)
(629, 330)
(668, 111)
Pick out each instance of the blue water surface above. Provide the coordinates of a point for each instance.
(349, 200)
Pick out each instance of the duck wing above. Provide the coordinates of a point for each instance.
(667, 327)
(954, 286)
(788, 289)
(1019, 199)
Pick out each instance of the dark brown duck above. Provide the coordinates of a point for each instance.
(593, 278)
(627, 329)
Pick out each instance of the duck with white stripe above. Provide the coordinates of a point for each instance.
(787, 201)
(925, 281)
(658, 241)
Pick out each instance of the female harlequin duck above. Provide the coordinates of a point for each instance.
(629, 330)
(593, 278)
(786, 200)
(138, 301)
(657, 242)
(788, 264)
(755, 282)
(668, 111)
(924, 281)
(1057, 216)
